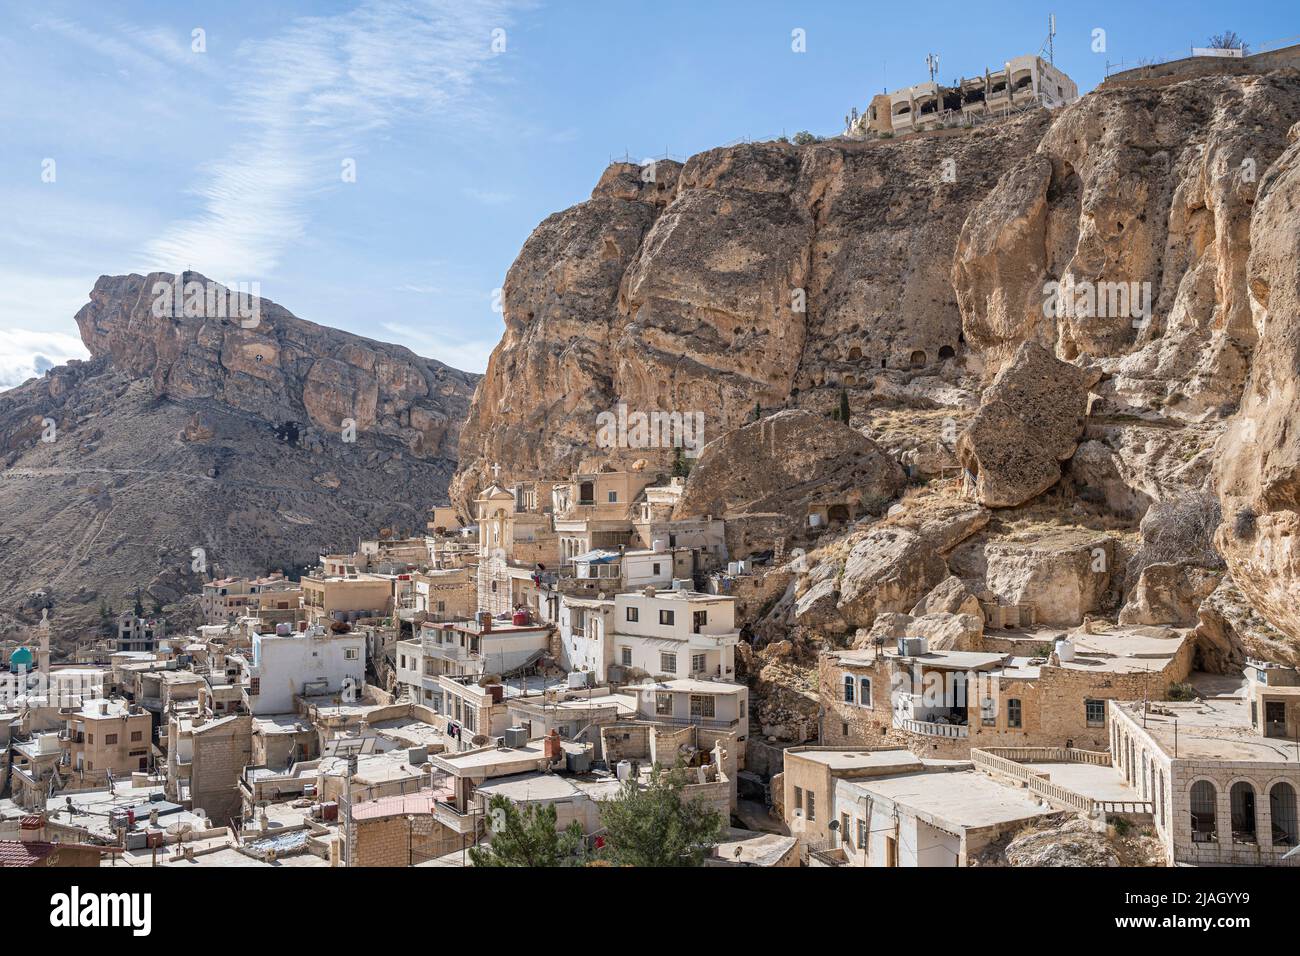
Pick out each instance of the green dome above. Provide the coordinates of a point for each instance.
(20, 658)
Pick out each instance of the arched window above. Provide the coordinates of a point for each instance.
(1204, 798)
(848, 688)
(864, 698)
(1160, 796)
(918, 359)
(1281, 806)
(1242, 796)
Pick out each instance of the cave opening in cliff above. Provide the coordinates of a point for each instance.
(947, 352)
(918, 359)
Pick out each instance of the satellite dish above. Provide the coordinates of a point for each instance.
(479, 740)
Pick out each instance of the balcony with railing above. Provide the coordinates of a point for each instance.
(928, 728)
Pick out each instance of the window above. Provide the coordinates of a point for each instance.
(848, 688)
(1242, 799)
(668, 663)
(862, 834)
(469, 718)
(1203, 799)
(350, 653)
(701, 705)
(655, 572)
(1281, 804)
(798, 798)
(988, 712)
(812, 805)
(699, 620)
(697, 663)
(613, 497)
(666, 618)
(137, 736)
(627, 656)
(864, 691)
(633, 614)
(663, 704)
(1095, 712)
(845, 833)
(110, 739)
(1013, 713)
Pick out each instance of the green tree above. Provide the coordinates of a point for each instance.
(654, 826)
(844, 406)
(528, 838)
(804, 138)
(681, 464)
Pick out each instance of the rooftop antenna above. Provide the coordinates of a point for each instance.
(1049, 43)
(932, 62)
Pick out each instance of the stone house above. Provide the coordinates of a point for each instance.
(943, 703)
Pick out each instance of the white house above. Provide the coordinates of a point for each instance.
(715, 704)
(586, 627)
(676, 633)
(315, 662)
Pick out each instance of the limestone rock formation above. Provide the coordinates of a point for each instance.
(761, 274)
(1065, 575)
(789, 463)
(1258, 460)
(1029, 421)
(949, 596)
(1169, 594)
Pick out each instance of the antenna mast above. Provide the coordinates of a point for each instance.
(932, 62)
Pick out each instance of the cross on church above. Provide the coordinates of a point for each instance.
(496, 469)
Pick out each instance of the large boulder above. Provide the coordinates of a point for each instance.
(1169, 594)
(788, 463)
(949, 596)
(1065, 575)
(889, 569)
(1030, 420)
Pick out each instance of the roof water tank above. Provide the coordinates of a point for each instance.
(1065, 649)
(417, 756)
(624, 769)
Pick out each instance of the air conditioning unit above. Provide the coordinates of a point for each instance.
(515, 737)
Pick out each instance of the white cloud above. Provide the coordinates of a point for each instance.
(308, 98)
(489, 197)
(470, 355)
(26, 353)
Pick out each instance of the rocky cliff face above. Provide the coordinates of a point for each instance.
(757, 275)
(1143, 241)
(1258, 464)
(189, 443)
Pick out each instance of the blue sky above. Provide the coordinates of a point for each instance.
(230, 161)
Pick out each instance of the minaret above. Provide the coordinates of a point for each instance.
(43, 659)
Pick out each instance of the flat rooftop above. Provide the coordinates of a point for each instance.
(847, 760)
(1216, 729)
(694, 686)
(952, 801)
(1087, 779)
